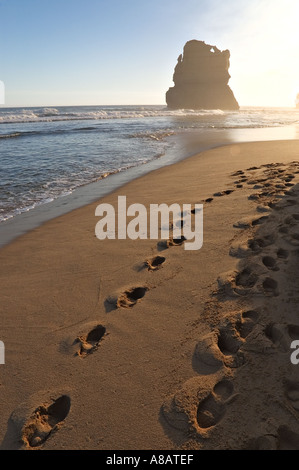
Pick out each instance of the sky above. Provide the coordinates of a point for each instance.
(108, 52)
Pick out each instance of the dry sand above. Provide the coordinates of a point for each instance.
(202, 360)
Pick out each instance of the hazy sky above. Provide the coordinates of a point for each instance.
(64, 52)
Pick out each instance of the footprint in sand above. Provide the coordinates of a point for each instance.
(282, 254)
(155, 263)
(285, 439)
(249, 280)
(130, 297)
(263, 208)
(176, 241)
(292, 238)
(248, 222)
(89, 342)
(246, 278)
(199, 405)
(223, 193)
(270, 263)
(212, 409)
(241, 181)
(257, 244)
(292, 219)
(45, 420)
(229, 343)
(283, 229)
(270, 287)
(246, 323)
(292, 393)
(282, 335)
(221, 346)
(285, 203)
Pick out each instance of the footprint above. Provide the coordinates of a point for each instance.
(247, 322)
(45, 420)
(266, 442)
(229, 343)
(212, 409)
(90, 342)
(176, 241)
(292, 393)
(221, 347)
(290, 220)
(263, 208)
(254, 196)
(283, 229)
(293, 239)
(210, 199)
(282, 335)
(292, 202)
(162, 245)
(195, 210)
(198, 405)
(287, 439)
(130, 297)
(270, 263)
(223, 193)
(283, 254)
(155, 263)
(234, 283)
(256, 244)
(250, 280)
(246, 278)
(228, 191)
(270, 287)
(239, 250)
(247, 222)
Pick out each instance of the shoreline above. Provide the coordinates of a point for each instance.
(187, 145)
(205, 350)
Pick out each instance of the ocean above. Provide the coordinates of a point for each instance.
(47, 153)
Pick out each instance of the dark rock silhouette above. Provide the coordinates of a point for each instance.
(201, 79)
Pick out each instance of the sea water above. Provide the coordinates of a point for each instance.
(47, 153)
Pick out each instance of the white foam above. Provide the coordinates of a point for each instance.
(54, 114)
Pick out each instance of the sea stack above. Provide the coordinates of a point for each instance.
(201, 79)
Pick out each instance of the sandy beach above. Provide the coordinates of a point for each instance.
(198, 356)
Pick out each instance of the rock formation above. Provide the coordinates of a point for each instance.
(201, 79)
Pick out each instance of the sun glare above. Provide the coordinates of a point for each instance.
(265, 65)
